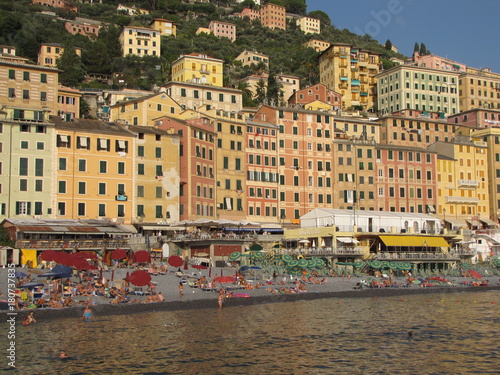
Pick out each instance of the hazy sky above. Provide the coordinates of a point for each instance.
(462, 30)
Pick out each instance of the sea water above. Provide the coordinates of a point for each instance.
(417, 334)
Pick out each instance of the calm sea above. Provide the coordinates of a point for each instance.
(451, 334)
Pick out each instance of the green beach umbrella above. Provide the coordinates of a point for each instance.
(359, 264)
(287, 258)
(235, 255)
(405, 266)
(311, 263)
(319, 263)
(393, 265)
(293, 263)
(377, 264)
(302, 263)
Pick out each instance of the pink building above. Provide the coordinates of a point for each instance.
(223, 29)
(478, 117)
(88, 28)
(64, 4)
(317, 92)
(250, 13)
(197, 165)
(437, 62)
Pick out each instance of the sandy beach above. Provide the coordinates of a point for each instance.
(194, 298)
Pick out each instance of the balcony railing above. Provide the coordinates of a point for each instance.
(468, 183)
(69, 245)
(461, 200)
(415, 256)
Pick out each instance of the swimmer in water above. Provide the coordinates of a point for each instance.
(410, 334)
(87, 313)
(63, 354)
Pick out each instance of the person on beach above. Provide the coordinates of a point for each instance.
(181, 290)
(221, 298)
(87, 313)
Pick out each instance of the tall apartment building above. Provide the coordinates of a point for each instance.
(94, 169)
(273, 16)
(479, 88)
(165, 27)
(424, 89)
(197, 189)
(140, 41)
(198, 68)
(351, 72)
(223, 29)
(463, 181)
(50, 53)
(252, 14)
(309, 25)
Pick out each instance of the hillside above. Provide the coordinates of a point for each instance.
(22, 25)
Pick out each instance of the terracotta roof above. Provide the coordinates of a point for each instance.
(93, 126)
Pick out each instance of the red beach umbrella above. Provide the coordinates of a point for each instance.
(199, 266)
(86, 254)
(225, 279)
(175, 261)
(142, 257)
(475, 274)
(48, 255)
(119, 254)
(139, 278)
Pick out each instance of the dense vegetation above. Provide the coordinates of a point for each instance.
(23, 26)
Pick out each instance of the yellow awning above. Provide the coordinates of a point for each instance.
(414, 241)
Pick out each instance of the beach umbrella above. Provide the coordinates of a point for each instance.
(175, 261)
(256, 247)
(475, 274)
(319, 263)
(293, 263)
(86, 254)
(199, 266)
(287, 258)
(20, 274)
(48, 255)
(225, 279)
(119, 254)
(311, 263)
(139, 278)
(235, 255)
(142, 256)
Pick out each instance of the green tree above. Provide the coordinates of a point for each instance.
(416, 47)
(388, 45)
(322, 16)
(423, 49)
(260, 92)
(73, 70)
(4, 238)
(296, 6)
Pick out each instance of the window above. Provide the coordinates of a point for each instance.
(103, 166)
(39, 167)
(140, 169)
(102, 188)
(140, 151)
(12, 74)
(82, 187)
(26, 76)
(62, 187)
(23, 166)
(82, 165)
(43, 78)
(23, 184)
(101, 209)
(121, 167)
(158, 152)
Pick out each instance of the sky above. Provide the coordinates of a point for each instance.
(462, 30)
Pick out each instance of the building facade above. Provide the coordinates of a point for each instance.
(140, 41)
(273, 16)
(479, 88)
(248, 58)
(223, 29)
(50, 53)
(318, 45)
(199, 69)
(164, 27)
(351, 72)
(309, 25)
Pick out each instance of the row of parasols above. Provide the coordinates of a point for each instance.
(379, 264)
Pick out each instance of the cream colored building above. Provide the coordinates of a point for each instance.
(140, 41)
(165, 27)
(50, 53)
(223, 29)
(351, 72)
(289, 84)
(142, 111)
(318, 45)
(248, 58)
(462, 178)
(253, 82)
(309, 25)
(204, 97)
(479, 88)
(199, 69)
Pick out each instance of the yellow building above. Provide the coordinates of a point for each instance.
(350, 71)
(165, 27)
(309, 25)
(143, 110)
(95, 170)
(157, 179)
(462, 180)
(491, 136)
(28, 92)
(50, 53)
(198, 68)
(479, 88)
(318, 45)
(140, 41)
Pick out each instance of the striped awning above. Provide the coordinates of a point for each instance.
(414, 241)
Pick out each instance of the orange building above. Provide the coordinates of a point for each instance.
(273, 16)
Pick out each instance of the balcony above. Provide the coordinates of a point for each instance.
(97, 244)
(465, 184)
(143, 36)
(415, 256)
(461, 200)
